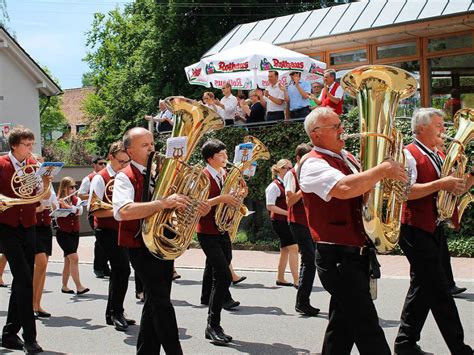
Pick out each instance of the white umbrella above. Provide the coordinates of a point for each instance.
(246, 66)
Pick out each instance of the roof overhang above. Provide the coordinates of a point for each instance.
(13, 50)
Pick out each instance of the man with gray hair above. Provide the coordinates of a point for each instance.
(332, 194)
(421, 238)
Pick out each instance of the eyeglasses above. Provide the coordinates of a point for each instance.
(332, 126)
(123, 162)
(28, 145)
(101, 163)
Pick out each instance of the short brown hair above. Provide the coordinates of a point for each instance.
(302, 149)
(18, 134)
(116, 147)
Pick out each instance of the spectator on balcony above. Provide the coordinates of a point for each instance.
(332, 94)
(297, 96)
(453, 105)
(164, 119)
(254, 112)
(228, 104)
(274, 98)
(240, 117)
(316, 89)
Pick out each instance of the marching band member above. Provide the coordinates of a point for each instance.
(299, 229)
(101, 267)
(421, 240)
(17, 237)
(216, 245)
(67, 234)
(332, 190)
(44, 248)
(158, 327)
(106, 233)
(276, 204)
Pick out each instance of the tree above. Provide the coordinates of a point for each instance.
(52, 118)
(3, 14)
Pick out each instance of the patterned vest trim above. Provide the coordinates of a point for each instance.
(280, 202)
(207, 223)
(325, 101)
(337, 221)
(296, 213)
(20, 214)
(69, 224)
(130, 231)
(106, 222)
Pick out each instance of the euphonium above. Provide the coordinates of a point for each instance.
(105, 203)
(168, 233)
(455, 163)
(25, 184)
(228, 217)
(378, 90)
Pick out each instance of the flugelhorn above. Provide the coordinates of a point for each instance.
(455, 163)
(25, 184)
(378, 90)
(228, 217)
(106, 202)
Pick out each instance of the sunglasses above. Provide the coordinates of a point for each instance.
(101, 163)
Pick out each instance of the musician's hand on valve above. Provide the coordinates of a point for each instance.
(176, 201)
(453, 184)
(230, 199)
(394, 170)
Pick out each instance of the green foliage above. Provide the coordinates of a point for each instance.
(74, 152)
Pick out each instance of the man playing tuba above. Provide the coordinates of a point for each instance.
(106, 233)
(421, 239)
(332, 189)
(18, 239)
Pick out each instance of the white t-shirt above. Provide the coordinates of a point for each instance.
(230, 105)
(277, 93)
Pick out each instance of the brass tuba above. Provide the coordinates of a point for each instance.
(25, 184)
(378, 90)
(227, 217)
(105, 203)
(455, 164)
(168, 233)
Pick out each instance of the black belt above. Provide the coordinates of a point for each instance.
(301, 109)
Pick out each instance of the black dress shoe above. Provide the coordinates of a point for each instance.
(279, 283)
(205, 303)
(32, 348)
(12, 342)
(307, 310)
(119, 322)
(231, 304)
(42, 314)
(409, 350)
(457, 290)
(99, 274)
(216, 336)
(108, 320)
(227, 336)
(239, 280)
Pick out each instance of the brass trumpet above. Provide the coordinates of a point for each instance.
(105, 203)
(25, 185)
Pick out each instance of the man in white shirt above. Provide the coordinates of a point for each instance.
(332, 93)
(228, 104)
(274, 100)
(164, 119)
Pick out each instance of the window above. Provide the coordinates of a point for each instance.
(396, 50)
(356, 56)
(450, 43)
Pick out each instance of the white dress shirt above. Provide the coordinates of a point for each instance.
(272, 192)
(77, 208)
(16, 164)
(230, 105)
(52, 201)
(277, 93)
(289, 180)
(124, 193)
(216, 175)
(338, 94)
(85, 186)
(98, 185)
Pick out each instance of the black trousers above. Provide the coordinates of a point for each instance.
(446, 260)
(138, 283)
(100, 259)
(218, 250)
(158, 326)
(119, 269)
(352, 314)
(207, 281)
(429, 290)
(308, 267)
(18, 245)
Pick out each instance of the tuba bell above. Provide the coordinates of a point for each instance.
(228, 217)
(105, 203)
(378, 90)
(168, 233)
(455, 164)
(25, 184)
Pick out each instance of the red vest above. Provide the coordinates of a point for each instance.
(296, 213)
(325, 101)
(69, 224)
(130, 231)
(422, 213)
(106, 222)
(280, 202)
(207, 223)
(20, 214)
(43, 218)
(91, 175)
(337, 221)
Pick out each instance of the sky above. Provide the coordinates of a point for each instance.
(53, 33)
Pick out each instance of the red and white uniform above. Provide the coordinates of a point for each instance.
(275, 196)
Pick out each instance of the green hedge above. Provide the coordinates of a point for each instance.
(281, 140)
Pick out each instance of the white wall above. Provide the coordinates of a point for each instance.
(20, 104)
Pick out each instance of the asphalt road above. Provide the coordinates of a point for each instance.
(265, 323)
